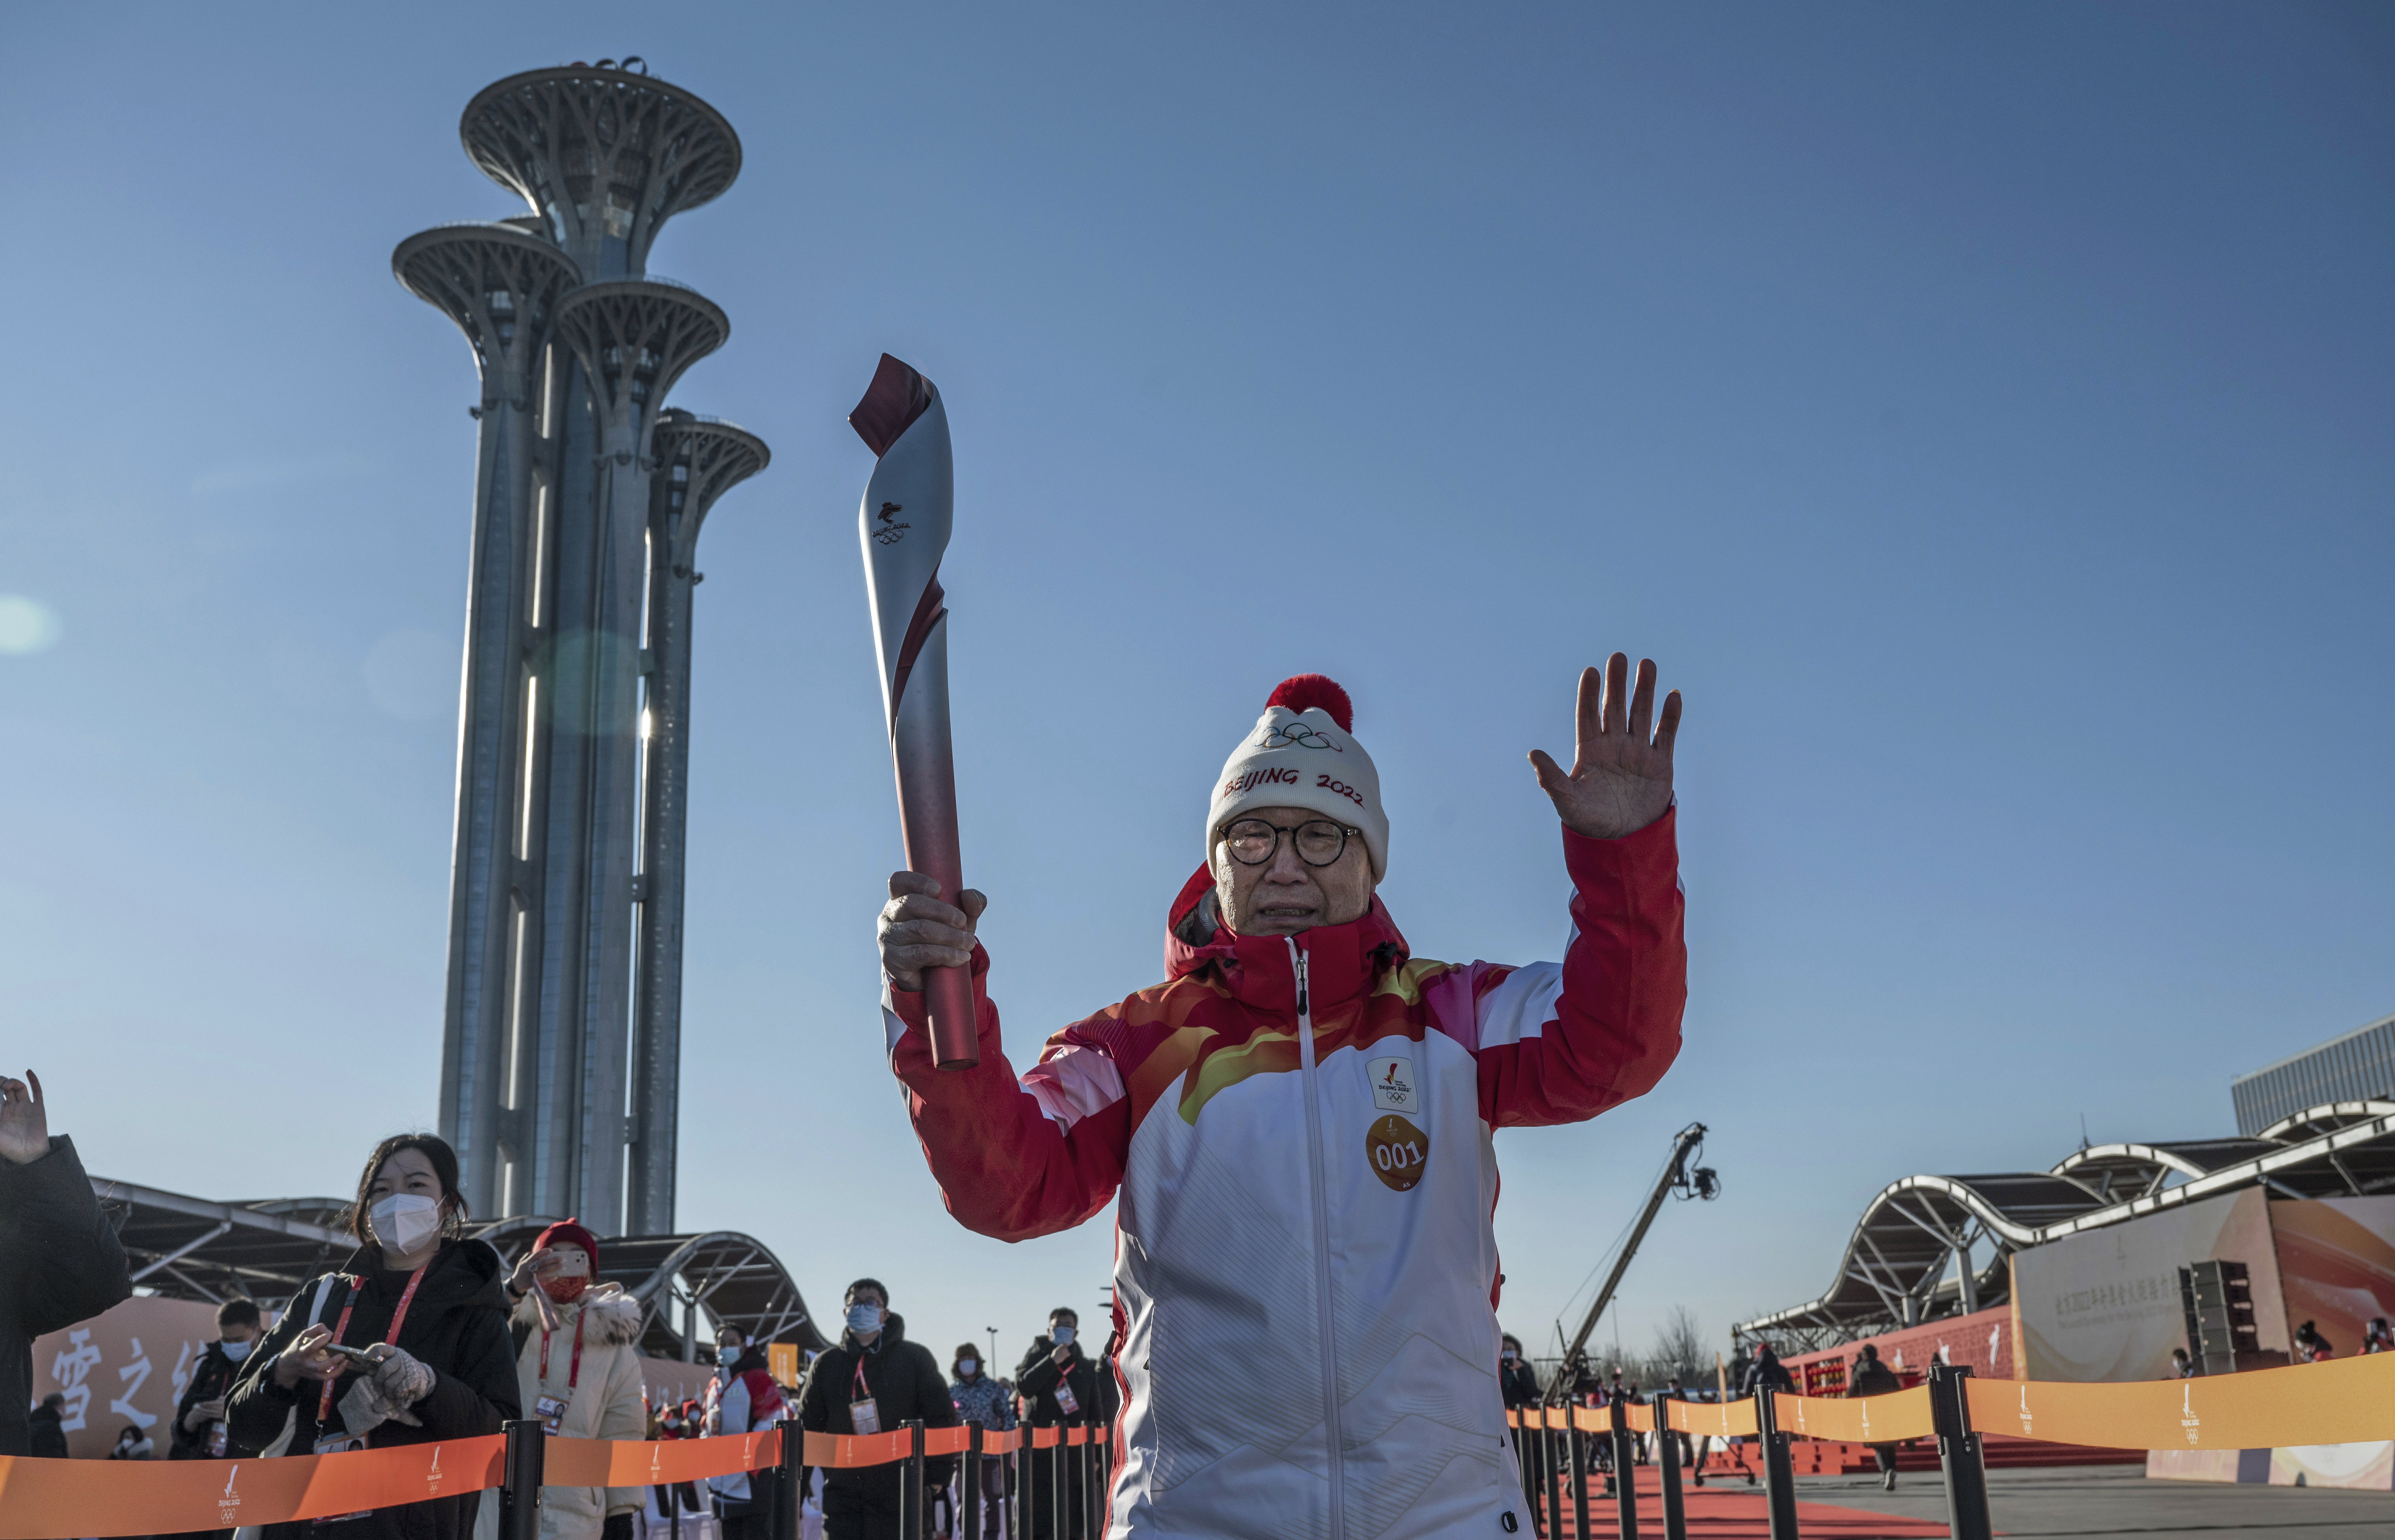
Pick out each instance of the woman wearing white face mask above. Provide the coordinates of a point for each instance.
(984, 1401)
(427, 1308)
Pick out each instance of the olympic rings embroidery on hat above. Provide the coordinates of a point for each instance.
(1296, 735)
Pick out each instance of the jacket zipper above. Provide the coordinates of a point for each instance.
(1320, 1178)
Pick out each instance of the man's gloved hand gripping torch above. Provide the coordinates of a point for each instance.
(903, 525)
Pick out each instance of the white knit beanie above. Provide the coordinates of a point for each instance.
(1300, 755)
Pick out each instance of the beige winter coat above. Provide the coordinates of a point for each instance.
(605, 1403)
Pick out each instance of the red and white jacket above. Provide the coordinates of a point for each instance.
(1300, 1127)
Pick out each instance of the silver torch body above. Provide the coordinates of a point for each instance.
(903, 525)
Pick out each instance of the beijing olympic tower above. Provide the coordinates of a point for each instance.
(561, 1045)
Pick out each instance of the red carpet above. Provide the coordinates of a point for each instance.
(1737, 1514)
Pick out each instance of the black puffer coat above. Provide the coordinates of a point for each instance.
(211, 1377)
(456, 1325)
(1038, 1376)
(1870, 1377)
(60, 1263)
(906, 1382)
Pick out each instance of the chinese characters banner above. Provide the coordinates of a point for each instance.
(126, 1368)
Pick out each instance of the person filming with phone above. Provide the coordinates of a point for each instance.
(406, 1343)
(579, 1372)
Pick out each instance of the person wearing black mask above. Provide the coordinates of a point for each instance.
(426, 1307)
(873, 1381)
(1059, 1385)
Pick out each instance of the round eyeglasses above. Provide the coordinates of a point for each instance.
(1319, 841)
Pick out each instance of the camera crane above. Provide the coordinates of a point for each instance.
(1679, 1180)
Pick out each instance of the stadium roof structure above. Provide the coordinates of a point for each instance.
(1911, 1258)
(197, 1248)
(269, 1248)
(731, 1279)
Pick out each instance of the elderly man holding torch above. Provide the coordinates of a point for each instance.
(1299, 1123)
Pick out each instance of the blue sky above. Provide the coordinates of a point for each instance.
(1983, 415)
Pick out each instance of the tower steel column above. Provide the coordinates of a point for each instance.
(501, 287)
(698, 459)
(633, 338)
(535, 1071)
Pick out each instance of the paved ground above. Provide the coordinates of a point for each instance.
(2120, 1500)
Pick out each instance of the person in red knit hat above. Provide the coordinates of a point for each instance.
(1298, 1121)
(578, 1365)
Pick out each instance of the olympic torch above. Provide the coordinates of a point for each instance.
(902, 524)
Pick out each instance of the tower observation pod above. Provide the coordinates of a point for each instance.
(562, 1035)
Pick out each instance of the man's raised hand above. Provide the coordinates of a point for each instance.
(918, 931)
(1620, 778)
(24, 1122)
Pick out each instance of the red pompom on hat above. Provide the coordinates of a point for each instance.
(569, 1232)
(1312, 692)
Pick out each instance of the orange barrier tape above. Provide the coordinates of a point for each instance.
(2348, 1400)
(1588, 1419)
(599, 1462)
(1889, 1418)
(1729, 1420)
(849, 1451)
(43, 1499)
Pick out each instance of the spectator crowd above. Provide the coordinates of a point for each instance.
(425, 1334)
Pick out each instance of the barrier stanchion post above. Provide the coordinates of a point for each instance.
(790, 1482)
(1080, 1465)
(1667, 1463)
(1553, 1486)
(912, 1499)
(1097, 1482)
(519, 1480)
(1056, 1485)
(1625, 1470)
(1779, 1474)
(1580, 1465)
(969, 1488)
(1959, 1454)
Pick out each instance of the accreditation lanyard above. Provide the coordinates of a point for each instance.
(341, 1329)
(573, 1368)
(864, 1414)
